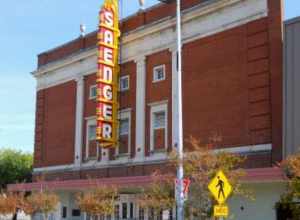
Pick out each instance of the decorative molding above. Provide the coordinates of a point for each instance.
(153, 159)
(158, 103)
(247, 149)
(198, 22)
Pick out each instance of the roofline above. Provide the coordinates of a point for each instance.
(292, 20)
(95, 31)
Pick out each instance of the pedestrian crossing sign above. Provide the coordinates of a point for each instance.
(220, 187)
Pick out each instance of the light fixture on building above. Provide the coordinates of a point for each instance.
(142, 4)
(82, 30)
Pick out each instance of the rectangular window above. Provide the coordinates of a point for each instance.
(159, 120)
(93, 92)
(124, 210)
(76, 213)
(131, 210)
(159, 129)
(159, 73)
(91, 149)
(64, 212)
(124, 83)
(124, 126)
(124, 133)
(92, 132)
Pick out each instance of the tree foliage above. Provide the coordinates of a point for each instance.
(43, 202)
(98, 201)
(200, 165)
(288, 201)
(8, 203)
(15, 167)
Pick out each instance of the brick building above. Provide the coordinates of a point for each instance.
(232, 86)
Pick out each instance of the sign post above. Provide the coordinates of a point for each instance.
(221, 189)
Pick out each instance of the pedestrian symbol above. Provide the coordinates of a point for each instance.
(220, 187)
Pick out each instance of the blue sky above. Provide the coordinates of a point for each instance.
(31, 27)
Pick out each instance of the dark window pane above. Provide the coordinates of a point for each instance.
(131, 210)
(76, 212)
(64, 212)
(124, 210)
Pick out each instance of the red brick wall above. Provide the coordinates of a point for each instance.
(129, 24)
(89, 108)
(55, 125)
(226, 86)
(39, 129)
(128, 98)
(159, 91)
(232, 86)
(276, 70)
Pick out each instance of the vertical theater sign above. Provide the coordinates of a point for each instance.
(107, 75)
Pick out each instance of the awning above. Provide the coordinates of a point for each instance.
(258, 175)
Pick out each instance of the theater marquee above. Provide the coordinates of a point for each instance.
(107, 75)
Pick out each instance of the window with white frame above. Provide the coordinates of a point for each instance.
(124, 133)
(124, 83)
(159, 73)
(91, 149)
(93, 92)
(158, 127)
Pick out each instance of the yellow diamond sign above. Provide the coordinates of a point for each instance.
(220, 187)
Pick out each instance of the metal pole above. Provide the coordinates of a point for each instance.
(180, 197)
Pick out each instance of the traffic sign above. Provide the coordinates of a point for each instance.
(186, 184)
(221, 211)
(220, 187)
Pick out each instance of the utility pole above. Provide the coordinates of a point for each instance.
(180, 174)
(179, 144)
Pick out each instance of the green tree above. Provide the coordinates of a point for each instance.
(15, 167)
(289, 202)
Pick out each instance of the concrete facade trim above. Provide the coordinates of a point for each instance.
(140, 107)
(78, 120)
(198, 22)
(154, 158)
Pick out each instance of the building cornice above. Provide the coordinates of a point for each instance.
(198, 22)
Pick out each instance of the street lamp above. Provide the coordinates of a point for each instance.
(179, 144)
